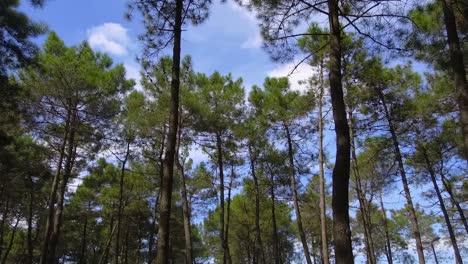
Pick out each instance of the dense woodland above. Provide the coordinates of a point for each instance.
(93, 170)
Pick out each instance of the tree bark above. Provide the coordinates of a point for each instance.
(448, 188)
(186, 212)
(404, 180)
(83, 237)
(53, 192)
(120, 206)
(388, 245)
(224, 243)
(30, 222)
(429, 167)
(340, 199)
(12, 239)
(276, 249)
(363, 203)
(258, 245)
(292, 176)
(162, 256)
(58, 212)
(458, 67)
(228, 218)
(323, 209)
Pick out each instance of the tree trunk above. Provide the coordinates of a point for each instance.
(228, 218)
(448, 188)
(30, 222)
(105, 253)
(53, 193)
(388, 246)
(186, 212)
(162, 256)
(404, 180)
(444, 210)
(292, 176)
(323, 209)
(224, 243)
(258, 245)
(120, 206)
(153, 232)
(57, 219)
(83, 237)
(458, 67)
(363, 203)
(10, 243)
(340, 199)
(273, 221)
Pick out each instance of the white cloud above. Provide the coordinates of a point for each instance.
(254, 39)
(300, 74)
(109, 37)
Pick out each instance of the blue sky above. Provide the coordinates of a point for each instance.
(229, 41)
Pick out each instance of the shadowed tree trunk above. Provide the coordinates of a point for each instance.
(340, 199)
(388, 246)
(429, 167)
(448, 188)
(363, 203)
(458, 67)
(404, 180)
(323, 209)
(163, 252)
(277, 255)
(292, 176)
(12, 239)
(120, 206)
(259, 254)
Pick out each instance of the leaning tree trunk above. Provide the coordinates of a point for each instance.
(448, 188)
(323, 209)
(458, 67)
(388, 246)
(168, 175)
(363, 203)
(30, 221)
(120, 206)
(259, 254)
(404, 180)
(340, 199)
(442, 207)
(12, 239)
(292, 176)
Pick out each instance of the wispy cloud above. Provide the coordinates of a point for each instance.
(109, 37)
(254, 39)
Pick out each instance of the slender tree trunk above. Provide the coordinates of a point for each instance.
(228, 218)
(2, 223)
(168, 176)
(154, 228)
(340, 199)
(57, 222)
(30, 222)
(458, 67)
(224, 242)
(83, 236)
(12, 238)
(404, 180)
(387, 233)
(186, 211)
(292, 176)
(258, 245)
(444, 210)
(323, 208)
(448, 188)
(273, 221)
(53, 192)
(363, 204)
(120, 206)
(105, 253)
